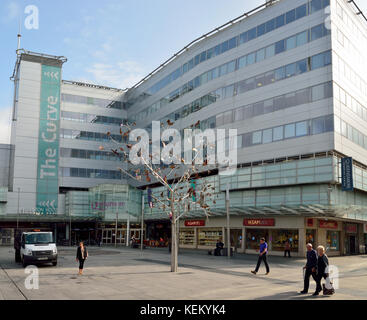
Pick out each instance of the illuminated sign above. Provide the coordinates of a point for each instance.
(194, 223)
(259, 222)
(327, 224)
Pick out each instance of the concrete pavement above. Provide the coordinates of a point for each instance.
(125, 273)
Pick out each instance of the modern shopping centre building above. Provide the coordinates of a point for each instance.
(288, 75)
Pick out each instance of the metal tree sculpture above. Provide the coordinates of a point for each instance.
(179, 180)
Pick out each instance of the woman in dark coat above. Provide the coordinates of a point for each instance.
(81, 256)
(322, 268)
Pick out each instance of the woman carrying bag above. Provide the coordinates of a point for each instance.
(81, 256)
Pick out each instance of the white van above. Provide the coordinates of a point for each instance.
(36, 248)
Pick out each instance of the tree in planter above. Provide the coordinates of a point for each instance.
(182, 191)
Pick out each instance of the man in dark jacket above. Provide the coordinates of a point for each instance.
(218, 247)
(310, 267)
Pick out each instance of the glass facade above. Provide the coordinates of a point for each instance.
(90, 118)
(90, 173)
(102, 103)
(251, 58)
(87, 135)
(88, 154)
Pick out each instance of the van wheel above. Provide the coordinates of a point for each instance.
(54, 263)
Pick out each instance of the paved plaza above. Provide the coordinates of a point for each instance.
(125, 273)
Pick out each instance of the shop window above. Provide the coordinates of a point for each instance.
(279, 238)
(187, 237)
(311, 237)
(253, 237)
(209, 237)
(333, 240)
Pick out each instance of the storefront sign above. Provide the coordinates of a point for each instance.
(48, 141)
(351, 228)
(194, 223)
(347, 174)
(309, 222)
(326, 224)
(259, 222)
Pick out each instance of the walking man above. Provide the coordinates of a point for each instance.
(262, 256)
(310, 267)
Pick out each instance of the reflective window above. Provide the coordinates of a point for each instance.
(280, 47)
(231, 66)
(278, 133)
(301, 11)
(243, 37)
(270, 51)
(232, 43)
(268, 136)
(303, 96)
(252, 34)
(318, 125)
(242, 62)
(318, 92)
(258, 108)
(260, 55)
(302, 38)
(289, 130)
(290, 70)
(280, 73)
(317, 32)
(291, 42)
(256, 137)
(315, 5)
(279, 21)
(290, 16)
(317, 61)
(270, 25)
(302, 128)
(301, 66)
(250, 58)
(261, 29)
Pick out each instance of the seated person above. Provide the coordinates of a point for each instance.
(219, 246)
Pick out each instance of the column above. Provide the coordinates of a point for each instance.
(243, 240)
(67, 232)
(302, 242)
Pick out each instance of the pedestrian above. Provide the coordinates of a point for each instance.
(322, 269)
(287, 249)
(218, 247)
(310, 267)
(262, 256)
(81, 256)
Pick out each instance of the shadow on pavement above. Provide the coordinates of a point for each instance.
(292, 295)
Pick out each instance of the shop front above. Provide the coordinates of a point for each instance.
(329, 236)
(351, 238)
(109, 236)
(158, 233)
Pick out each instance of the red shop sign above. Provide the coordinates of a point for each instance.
(328, 224)
(194, 223)
(309, 222)
(351, 228)
(259, 222)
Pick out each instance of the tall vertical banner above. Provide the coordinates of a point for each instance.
(48, 141)
(347, 174)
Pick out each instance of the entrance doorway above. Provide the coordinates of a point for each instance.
(352, 245)
(236, 238)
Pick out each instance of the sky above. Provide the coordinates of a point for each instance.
(112, 42)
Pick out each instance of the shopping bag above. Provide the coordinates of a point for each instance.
(328, 288)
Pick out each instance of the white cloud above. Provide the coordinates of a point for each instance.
(13, 11)
(5, 124)
(120, 75)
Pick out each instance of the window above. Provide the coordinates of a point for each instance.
(332, 240)
(301, 11)
(280, 73)
(252, 34)
(209, 54)
(317, 61)
(318, 92)
(232, 43)
(238, 114)
(261, 29)
(242, 62)
(279, 103)
(278, 133)
(247, 139)
(260, 81)
(316, 5)
(281, 236)
(302, 128)
(228, 91)
(250, 58)
(280, 47)
(318, 125)
(329, 123)
(268, 136)
(258, 108)
(260, 55)
(243, 37)
(269, 78)
(290, 100)
(289, 130)
(303, 96)
(253, 237)
(268, 106)
(301, 66)
(222, 70)
(231, 66)
(224, 46)
(202, 56)
(316, 32)
(279, 21)
(256, 137)
(302, 38)
(290, 16)
(270, 51)
(290, 70)
(270, 25)
(291, 42)
(248, 112)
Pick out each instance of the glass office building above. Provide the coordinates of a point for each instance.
(289, 76)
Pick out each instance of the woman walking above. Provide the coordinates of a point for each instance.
(81, 256)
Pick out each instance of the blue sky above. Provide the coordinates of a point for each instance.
(112, 42)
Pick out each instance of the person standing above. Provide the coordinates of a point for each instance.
(310, 267)
(262, 257)
(81, 256)
(287, 249)
(322, 269)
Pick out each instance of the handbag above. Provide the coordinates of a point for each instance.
(328, 288)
